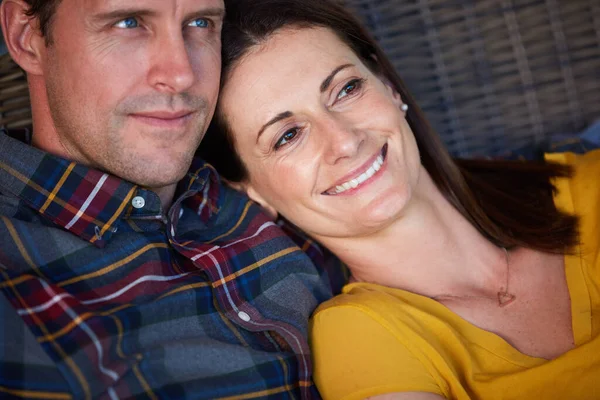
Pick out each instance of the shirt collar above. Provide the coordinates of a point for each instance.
(87, 202)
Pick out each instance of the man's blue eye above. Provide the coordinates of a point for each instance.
(128, 23)
(199, 23)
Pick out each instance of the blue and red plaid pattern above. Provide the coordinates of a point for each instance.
(105, 295)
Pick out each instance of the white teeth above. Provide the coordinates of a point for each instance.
(361, 178)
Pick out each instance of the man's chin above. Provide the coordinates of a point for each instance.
(155, 174)
(167, 178)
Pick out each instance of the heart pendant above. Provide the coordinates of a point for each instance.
(505, 298)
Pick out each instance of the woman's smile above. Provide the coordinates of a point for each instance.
(361, 177)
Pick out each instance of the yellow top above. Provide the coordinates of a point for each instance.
(373, 340)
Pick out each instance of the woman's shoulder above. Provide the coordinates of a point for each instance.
(364, 345)
(585, 166)
(585, 160)
(403, 314)
(367, 298)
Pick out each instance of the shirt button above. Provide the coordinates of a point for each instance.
(138, 202)
(243, 316)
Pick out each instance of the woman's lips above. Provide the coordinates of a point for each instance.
(358, 180)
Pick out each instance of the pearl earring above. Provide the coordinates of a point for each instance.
(404, 107)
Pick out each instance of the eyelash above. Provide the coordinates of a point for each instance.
(357, 83)
(208, 22)
(134, 19)
(279, 143)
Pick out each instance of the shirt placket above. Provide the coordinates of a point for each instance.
(237, 309)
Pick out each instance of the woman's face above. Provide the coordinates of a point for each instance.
(324, 139)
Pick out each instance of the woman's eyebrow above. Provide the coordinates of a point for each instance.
(277, 118)
(327, 81)
(286, 114)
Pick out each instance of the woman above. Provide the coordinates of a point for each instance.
(471, 279)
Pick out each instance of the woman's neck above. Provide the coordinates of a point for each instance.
(431, 249)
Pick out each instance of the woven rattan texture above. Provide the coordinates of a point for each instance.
(494, 75)
(15, 110)
(491, 75)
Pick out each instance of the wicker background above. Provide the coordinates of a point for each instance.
(494, 75)
(15, 110)
(491, 75)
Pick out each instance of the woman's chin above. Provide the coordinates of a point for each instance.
(384, 209)
(373, 220)
(373, 224)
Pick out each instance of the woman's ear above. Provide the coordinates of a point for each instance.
(247, 188)
(22, 36)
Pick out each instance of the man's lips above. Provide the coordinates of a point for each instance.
(164, 118)
(360, 175)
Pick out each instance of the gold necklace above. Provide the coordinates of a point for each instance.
(504, 296)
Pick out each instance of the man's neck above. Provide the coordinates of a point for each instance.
(166, 195)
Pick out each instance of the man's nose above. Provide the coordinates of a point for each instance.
(343, 140)
(171, 70)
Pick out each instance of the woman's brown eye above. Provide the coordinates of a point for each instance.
(286, 138)
(350, 88)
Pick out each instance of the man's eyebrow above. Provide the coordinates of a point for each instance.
(218, 11)
(277, 118)
(327, 81)
(123, 13)
(208, 12)
(133, 11)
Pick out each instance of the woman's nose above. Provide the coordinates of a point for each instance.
(343, 140)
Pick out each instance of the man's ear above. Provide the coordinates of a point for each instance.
(22, 35)
(247, 188)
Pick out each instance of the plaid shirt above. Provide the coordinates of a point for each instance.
(108, 296)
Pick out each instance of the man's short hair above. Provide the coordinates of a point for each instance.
(44, 11)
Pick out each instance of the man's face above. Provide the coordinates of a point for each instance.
(132, 85)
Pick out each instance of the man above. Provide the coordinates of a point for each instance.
(126, 269)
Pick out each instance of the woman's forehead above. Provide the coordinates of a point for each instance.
(284, 74)
(289, 59)
(293, 49)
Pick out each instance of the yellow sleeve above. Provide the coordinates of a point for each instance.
(580, 195)
(357, 354)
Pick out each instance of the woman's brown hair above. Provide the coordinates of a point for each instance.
(509, 202)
